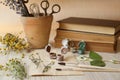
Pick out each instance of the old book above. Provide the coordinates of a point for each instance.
(89, 37)
(90, 25)
(91, 46)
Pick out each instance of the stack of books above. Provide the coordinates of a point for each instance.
(100, 35)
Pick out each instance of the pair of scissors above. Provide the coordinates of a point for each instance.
(45, 5)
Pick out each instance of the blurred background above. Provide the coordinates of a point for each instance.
(101, 9)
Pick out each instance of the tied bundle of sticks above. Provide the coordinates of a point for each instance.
(84, 68)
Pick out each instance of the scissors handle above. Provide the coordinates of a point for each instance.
(54, 10)
(26, 1)
(45, 5)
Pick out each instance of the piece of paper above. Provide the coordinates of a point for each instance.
(34, 71)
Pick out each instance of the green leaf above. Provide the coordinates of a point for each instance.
(95, 56)
(97, 63)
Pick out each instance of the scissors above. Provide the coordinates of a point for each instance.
(53, 9)
(34, 9)
(45, 5)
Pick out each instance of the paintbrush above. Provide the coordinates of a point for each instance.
(86, 70)
(85, 66)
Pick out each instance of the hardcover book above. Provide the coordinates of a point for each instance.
(90, 25)
(86, 36)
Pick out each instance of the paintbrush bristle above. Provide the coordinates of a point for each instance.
(58, 69)
(61, 63)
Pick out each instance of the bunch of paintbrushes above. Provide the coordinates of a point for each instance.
(84, 68)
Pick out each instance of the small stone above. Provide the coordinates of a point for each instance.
(60, 57)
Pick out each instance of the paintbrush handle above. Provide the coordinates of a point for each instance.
(95, 67)
(87, 70)
(91, 67)
(86, 66)
(98, 70)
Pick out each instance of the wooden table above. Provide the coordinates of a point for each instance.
(86, 76)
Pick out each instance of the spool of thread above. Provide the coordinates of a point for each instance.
(48, 48)
(60, 57)
(53, 55)
(82, 46)
(64, 50)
